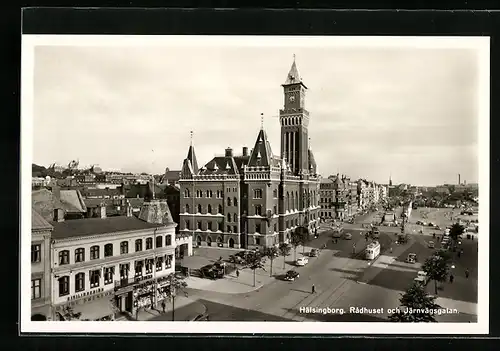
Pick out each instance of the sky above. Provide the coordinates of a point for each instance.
(409, 113)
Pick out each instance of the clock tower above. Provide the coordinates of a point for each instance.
(294, 120)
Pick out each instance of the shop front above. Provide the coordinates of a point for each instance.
(91, 306)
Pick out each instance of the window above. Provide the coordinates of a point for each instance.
(235, 201)
(275, 193)
(220, 209)
(36, 251)
(199, 208)
(199, 193)
(229, 229)
(257, 228)
(159, 264)
(235, 217)
(149, 243)
(219, 194)
(208, 193)
(275, 228)
(124, 247)
(79, 282)
(80, 255)
(64, 257)
(217, 226)
(258, 210)
(138, 268)
(209, 209)
(95, 277)
(94, 252)
(187, 208)
(124, 269)
(229, 217)
(168, 261)
(138, 245)
(257, 194)
(149, 266)
(36, 289)
(257, 241)
(108, 275)
(108, 250)
(186, 193)
(63, 286)
(198, 225)
(209, 226)
(186, 224)
(168, 240)
(275, 209)
(287, 224)
(229, 201)
(159, 241)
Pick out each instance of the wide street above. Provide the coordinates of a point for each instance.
(343, 280)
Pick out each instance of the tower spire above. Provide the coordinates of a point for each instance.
(191, 136)
(261, 121)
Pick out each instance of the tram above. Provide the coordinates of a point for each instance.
(372, 250)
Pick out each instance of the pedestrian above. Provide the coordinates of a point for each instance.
(163, 306)
(237, 273)
(313, 289)
(466, 273)
(451, 278)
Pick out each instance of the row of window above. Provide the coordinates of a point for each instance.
(208, 194)
(95, 275)
(211, 226)
(108, 249)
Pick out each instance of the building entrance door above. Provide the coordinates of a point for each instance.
(129, 302)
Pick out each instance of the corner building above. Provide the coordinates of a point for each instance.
(255, 199)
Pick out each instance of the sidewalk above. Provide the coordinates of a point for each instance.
(181, 313)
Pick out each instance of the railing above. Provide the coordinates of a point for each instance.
(122, 283)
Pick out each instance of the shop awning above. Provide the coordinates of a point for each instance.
(94, 310)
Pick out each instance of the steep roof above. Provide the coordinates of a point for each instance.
(312, 161)
(221, 165)
(191, 156)
(44, 202)
(156, 211)
(38, 223)
(73, 201)
(262, 154)
(293, 76)
(241, 161)
(94, 226)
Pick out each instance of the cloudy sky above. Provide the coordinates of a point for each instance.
(374, 112)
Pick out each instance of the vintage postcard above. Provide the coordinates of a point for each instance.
(182, 184)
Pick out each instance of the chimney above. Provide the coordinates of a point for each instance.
(102, 210)
(229, 152)
(245, 151)
(128, 209)
(58, 215)
(458, 178)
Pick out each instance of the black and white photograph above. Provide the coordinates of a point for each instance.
(327, 180)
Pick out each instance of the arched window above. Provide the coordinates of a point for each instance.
(64, 257)
(235, 217)
(220, 208)
(79, 282)
(64, 286)
(235, 201)
(124, 247)
(287, 200)
(94, 252)
(229, 201)
(229, 217)
(275, 193)
(138, 245)
(257, 194)
(292, 201)
(149, 243)
(168, 240)
(159, 241)
(186, 192)
(209, 209)
(199, 208)
(80, 255)
(108, 250)
(187, 208)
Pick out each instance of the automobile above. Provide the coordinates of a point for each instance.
(421, 275)
(347, 236)
(291, 276)
(419, 223)
(301, 261)
(430, 224)
(236, 259)
(431, 245)
(200, 317)
(314, 253)
(412, 258)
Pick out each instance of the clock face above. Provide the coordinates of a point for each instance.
(291, 98)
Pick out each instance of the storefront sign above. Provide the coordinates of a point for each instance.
(88, 298)
(84, 294)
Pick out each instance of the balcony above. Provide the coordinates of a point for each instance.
(123, 283)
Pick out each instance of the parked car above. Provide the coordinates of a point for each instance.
(347, 236)
(236, 259)
(419, 223)
(291, 276)
(302, 261)
(430, 224)
(431, 244)
(314, 253)
(412, 258)
(421, 278)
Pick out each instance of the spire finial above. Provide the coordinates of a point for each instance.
(191, 135)
(261, 121)
(293, 57)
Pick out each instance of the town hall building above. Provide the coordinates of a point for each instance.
(255, 199)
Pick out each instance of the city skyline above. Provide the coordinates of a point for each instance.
(375, 112)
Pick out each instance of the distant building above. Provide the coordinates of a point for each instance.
(327, 198)
(41, 231)
(70, 202)
(171, 177)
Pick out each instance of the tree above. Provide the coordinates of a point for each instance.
(271, 253)
(436, 267)
(284, 250)
(296, 241)
(417, 306)
(455, 231)
(255, 261)
(177, 284)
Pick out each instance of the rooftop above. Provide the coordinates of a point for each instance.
(95, 226)
(38, 223)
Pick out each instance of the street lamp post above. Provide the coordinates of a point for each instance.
(173, 293)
